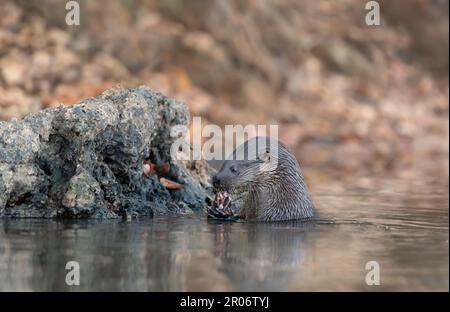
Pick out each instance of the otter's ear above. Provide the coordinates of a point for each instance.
(264, 156)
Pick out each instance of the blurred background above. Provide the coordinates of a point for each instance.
(350, 99)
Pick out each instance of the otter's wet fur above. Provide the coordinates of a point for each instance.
(265, 182)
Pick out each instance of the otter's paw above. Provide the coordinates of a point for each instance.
(220, 207)
(218, 214)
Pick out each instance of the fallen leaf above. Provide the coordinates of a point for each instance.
(170, 184)
(148, 168)
(162, 169)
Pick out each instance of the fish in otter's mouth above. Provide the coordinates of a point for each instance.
(220, 206)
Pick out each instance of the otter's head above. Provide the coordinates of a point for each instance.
(250, 164)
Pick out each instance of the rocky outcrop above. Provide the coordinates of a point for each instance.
(85, 161)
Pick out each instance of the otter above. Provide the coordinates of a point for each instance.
(261, 181)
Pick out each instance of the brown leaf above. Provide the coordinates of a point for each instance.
(162, 169)
(148, 168)
(171, 185)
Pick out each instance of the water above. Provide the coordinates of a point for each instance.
(406, 230)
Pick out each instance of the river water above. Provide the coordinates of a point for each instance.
(404, 229)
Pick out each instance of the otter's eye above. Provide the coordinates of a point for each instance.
(233, 169)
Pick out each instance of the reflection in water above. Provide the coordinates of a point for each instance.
(190, 253)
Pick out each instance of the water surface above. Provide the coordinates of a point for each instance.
(406, 231)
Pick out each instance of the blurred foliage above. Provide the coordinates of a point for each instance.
(347, 97)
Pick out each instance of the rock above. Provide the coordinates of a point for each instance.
(12, 70)
(345, 58)
(85, 161)
(82, 196)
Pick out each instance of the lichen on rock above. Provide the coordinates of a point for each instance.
(85, 161)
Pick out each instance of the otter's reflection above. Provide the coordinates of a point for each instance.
(261, 255)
